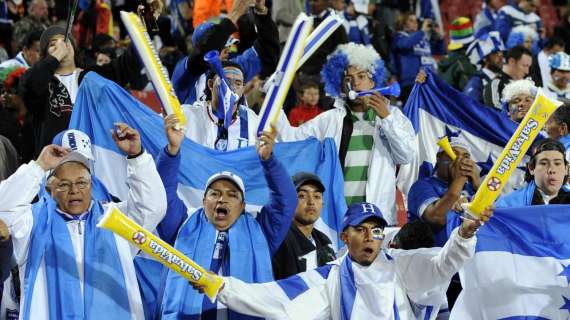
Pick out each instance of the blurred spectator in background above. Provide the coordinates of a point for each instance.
(485, 20)
(357, 21)
(517, 66)
(558, 87)
(308, 107)
(37, 19)
(487, 53)
(455, 68)
(518, 13)
(563, 29)
(189, 75)
(414, 49)
(206, 9)
(284, 14)
(320, 10)
(30, 53)
(552, 46)
(15, 121)
(558, 127)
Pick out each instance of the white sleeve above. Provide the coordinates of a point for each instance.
(146, 202)
(16, 195)
(268, 300)
(400, 135)
(265, 300)
(424, 273)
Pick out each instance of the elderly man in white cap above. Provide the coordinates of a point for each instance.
(72, 269)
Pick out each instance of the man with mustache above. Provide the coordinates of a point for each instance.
(221, 235)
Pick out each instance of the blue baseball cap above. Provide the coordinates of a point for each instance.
(200, 31)
(360, 212)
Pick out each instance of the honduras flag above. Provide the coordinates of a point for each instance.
(521, 267)
(101, 102)
(435, 110)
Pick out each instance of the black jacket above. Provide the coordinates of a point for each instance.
(288, 261)
(49, 102)
(266, 44)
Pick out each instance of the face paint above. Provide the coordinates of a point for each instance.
(377, 233)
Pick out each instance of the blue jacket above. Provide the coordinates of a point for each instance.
(274, 218)
(474, 87)
(426, 191)
(409, 51)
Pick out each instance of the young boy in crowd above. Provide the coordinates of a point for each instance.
(308, 106)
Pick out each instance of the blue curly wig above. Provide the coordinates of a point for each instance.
(346, 55)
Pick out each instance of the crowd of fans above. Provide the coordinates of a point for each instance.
(498, 57)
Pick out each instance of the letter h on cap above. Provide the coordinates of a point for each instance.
(367, 207)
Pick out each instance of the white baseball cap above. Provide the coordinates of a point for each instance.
(226, 175)
(75, 140)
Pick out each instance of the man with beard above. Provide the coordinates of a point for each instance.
(304, 247)
(486, 51)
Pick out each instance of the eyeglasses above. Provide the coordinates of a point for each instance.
(66, 186)
(376, 232)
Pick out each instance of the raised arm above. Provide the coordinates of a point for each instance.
(146, 201)
(276, 216)
(168, 164)
(430, 270)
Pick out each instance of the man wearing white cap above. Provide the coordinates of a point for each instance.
(222, 236)
(487, 53)
(78, 141)
(437, 199)
(558, 87)
(72, 269)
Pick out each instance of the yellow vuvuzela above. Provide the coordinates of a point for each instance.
(444, 144)
(117, 222)
(513, 153)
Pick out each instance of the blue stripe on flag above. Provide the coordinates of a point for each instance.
(429, 310)
(293, 286)
(524, 318)
(540, 231)
(324, 270)
(453, 107)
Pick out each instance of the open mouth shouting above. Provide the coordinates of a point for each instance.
(221, 213)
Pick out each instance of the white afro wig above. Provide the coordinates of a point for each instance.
(517, 87)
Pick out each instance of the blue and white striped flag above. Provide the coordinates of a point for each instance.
(101, 102)
(435, 110)
(521, 268)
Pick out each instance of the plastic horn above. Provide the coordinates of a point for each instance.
(391, 90)
(444, 144)
(117, 222)
(156, 71)
(513, 153)
(279, 83)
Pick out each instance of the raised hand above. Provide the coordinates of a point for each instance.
(51, 156)
(380, 104)
(174, 134)
(264, 144)
(4, 232)
(470, 226)
(127, 139)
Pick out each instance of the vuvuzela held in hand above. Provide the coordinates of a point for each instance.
(516, 148)
(117, 222)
